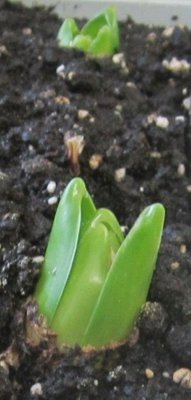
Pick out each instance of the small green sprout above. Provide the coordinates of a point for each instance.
(99, 37)
(94, 282)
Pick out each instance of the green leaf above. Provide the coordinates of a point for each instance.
(82, 42)
(96, 249)
(67, 32)
(75, 211)
(92, 27)
(103, 29)
(111, 18)
(127, 283)
(102, 45)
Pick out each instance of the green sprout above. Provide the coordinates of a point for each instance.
(99, 36)
(94, 282)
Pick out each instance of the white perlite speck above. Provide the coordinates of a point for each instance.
(51, 187)
(3, 282)
(180, 119)
(166, 374)
(71, 75)
(176, 66)
(60, 70)
(184, 91)
(52, 200)
(120, 174)
(36, 389)
(38, 259)
(181, 169)
(168, 31)
(162, 122)
(119, 58)
(187, 103)
(188, 188)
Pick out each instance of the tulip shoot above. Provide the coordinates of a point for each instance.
(94, 282)
(99, 36)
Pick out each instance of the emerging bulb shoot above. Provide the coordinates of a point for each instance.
(94, 282)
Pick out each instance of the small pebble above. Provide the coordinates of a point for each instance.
(162, 122)
(131, 85)
(151, 118)
(155, 154)
(51, 187)
(151, 37)
(183, 249)
(83, 114)
(52, 200)
(149, 373)
(71, 75)
(120, 174)
(118, 58)
(188, 188)
(95, 161)
(181, 169)
(3, 50)
(183, 377)
(176, 66)
(62, 100)
(175, 265)
(36, 389)
(119, 107)
(27, 31)
(168, 31)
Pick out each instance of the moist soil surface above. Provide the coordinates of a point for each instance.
(137, 124)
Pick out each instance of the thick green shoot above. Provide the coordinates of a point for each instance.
(94, 281)
(98, 37)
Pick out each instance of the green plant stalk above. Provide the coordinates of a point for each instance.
(94, 282)
(99, 36)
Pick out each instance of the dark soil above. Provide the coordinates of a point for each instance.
(37, 108)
